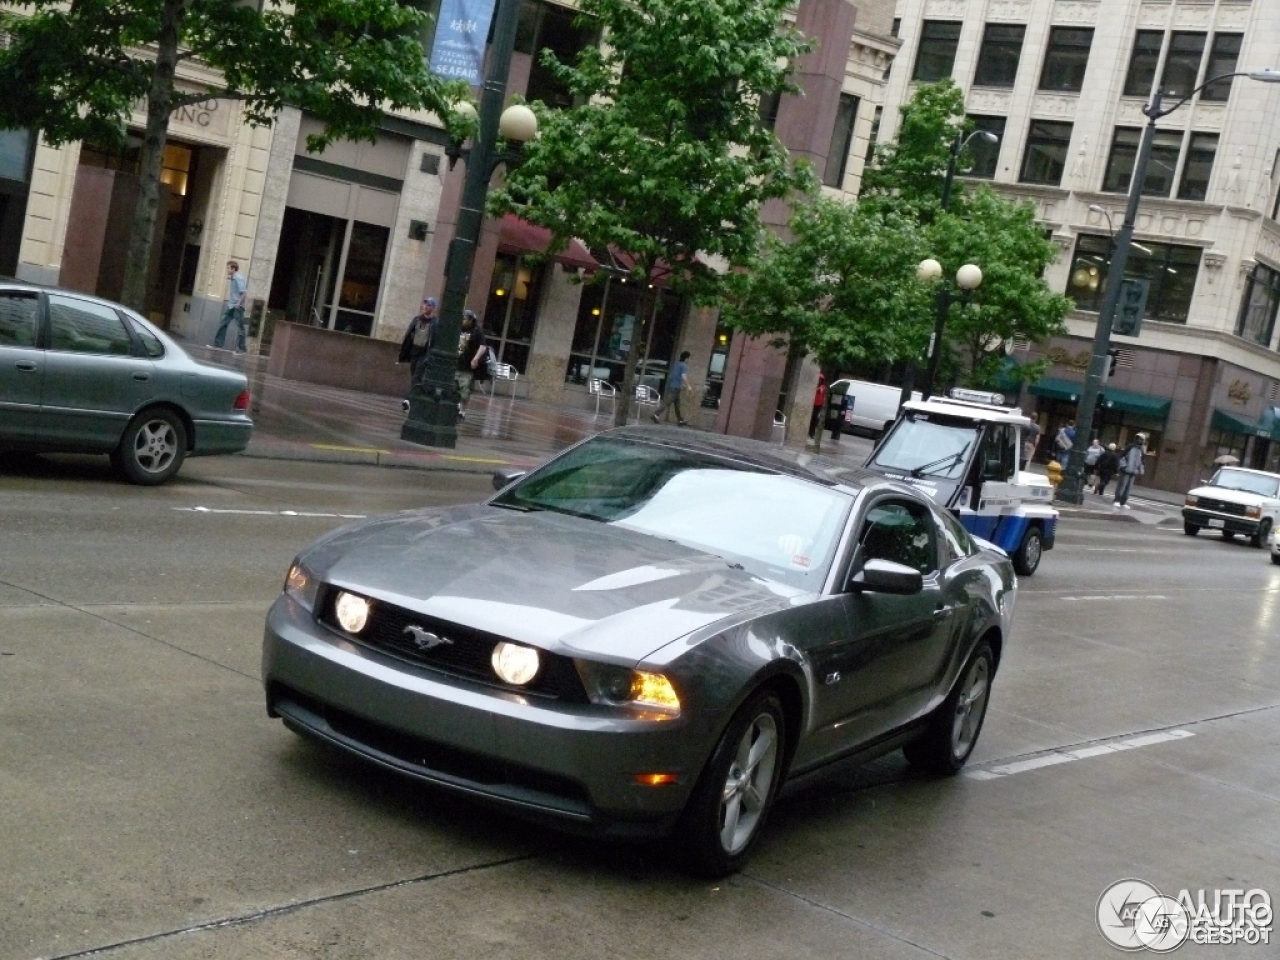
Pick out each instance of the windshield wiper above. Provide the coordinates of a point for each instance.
(522, 507)
(950, 460)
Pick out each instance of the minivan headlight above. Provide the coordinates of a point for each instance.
(302, 586)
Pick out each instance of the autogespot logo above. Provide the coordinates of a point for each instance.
(1134, 915)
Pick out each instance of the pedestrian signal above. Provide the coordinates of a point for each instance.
(1131, 308)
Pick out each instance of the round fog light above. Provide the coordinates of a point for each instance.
(515, 664)
(352, 612)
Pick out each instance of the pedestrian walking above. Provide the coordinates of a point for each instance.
(1030, 440)
(1063, 441)
(1091, 455)
(472, 354)
(1131, 467)
(677, 383)
(819, 403)
(419, 337)
(1108, 464)
(233, 309)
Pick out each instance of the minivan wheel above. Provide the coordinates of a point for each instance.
(737, 787)
(152, 448)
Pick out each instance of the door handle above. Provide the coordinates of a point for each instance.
(142, 377)
(944, 610)
(27, 365)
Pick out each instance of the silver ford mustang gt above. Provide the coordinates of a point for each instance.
(647, 636)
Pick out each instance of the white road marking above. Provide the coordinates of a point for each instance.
(1080, 753)
(1121, 596)
(271, 513)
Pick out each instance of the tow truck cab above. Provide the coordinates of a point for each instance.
(965, 452)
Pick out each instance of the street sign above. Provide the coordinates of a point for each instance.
(1130, 309)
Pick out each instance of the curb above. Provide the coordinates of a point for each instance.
(425, 462)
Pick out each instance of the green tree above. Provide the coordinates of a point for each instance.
(845, 287)
(83, 67)
(666, 158)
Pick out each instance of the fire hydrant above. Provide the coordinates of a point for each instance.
(1054, 470)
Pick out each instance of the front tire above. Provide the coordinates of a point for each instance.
(1027, 557)
(152, 448)
(953, 729)
(1190, 529)
(737, 787)
(1263, 534)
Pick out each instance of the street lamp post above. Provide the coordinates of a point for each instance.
(433, 402)
(943, 300)
(968, 279)
(1071, 489)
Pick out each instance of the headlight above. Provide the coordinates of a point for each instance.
(623, 687)
(515, 664)
(302, 586)
(352, 612)
(1253, 512)
(1190, 501)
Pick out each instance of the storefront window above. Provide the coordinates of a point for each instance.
(606, 326)
(511, 313)
(1171, 269)
(358, 297)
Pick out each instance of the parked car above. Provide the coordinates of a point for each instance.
(1235, 500)
(647, 636)
(866, 407)
(79, 374)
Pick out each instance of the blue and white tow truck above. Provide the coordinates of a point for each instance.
(965, 452)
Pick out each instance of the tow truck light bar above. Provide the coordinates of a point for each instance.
(977, 396)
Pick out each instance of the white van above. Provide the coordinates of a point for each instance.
(869, 407)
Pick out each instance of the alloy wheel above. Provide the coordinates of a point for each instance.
(749, 781)
(971, 707)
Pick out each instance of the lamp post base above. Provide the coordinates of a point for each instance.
(1071, 489)
(432, 421)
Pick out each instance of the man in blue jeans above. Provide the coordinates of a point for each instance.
(233, 309)
(676, 383)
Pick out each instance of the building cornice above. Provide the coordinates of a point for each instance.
(1191, 340)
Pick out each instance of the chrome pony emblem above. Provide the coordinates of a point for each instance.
(425, 639)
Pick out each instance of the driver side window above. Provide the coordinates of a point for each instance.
(901, 532)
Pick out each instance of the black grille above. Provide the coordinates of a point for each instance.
(460, 651)
(1221, 506)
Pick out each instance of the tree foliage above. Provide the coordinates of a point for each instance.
(845, 287)
(666, 158)
(84, 67)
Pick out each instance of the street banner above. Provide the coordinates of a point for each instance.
(461, 30)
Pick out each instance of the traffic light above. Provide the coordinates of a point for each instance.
(1114, 354)
(1130, 309)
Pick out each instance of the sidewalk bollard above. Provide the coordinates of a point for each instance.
(1054, 470)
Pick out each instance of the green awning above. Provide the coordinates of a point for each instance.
(1269, 423)
(1068, 390)
(1230, 423)
(1141, 403)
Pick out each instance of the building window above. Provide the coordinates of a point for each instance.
(1258, 308)
(1142, 65)
(895, 27)
(1223, 56)
(1160, 169)
(1046, 154)
(769, 104)
(511, 313)
(875, 134)
(606, 326)
(841, 141)
(998, 58)
(15, 154)
(1066, 59)
(1198, 166)
(1182, 65)
(937, 52)
(1170, 268)
(985, 154)
(549, 26)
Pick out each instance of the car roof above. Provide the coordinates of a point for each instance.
(1256, 473)
(968, 410)
(802, 464)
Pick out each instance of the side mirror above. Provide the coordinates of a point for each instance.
(885, 576)
(505, 477)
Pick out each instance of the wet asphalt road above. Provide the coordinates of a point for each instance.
(149, 809)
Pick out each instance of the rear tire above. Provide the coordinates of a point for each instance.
(1027, 557)
(1260, 538)
(1190, 529)
(953, 730)
(732, 798)
(152, 448)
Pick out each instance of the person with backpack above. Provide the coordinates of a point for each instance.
(1131, 468)
(1106, 467)
(473, 355)
(1063, 442)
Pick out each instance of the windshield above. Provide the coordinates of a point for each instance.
(1248, 482)
(776, 526)
(927, 448)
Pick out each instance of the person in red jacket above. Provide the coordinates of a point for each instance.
(819, 401)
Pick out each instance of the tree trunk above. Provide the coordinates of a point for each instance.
(639, 335)
(159, 105)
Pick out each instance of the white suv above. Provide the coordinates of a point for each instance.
(1236, 500)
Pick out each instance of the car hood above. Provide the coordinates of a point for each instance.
(562, 583)
(1230, 495)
